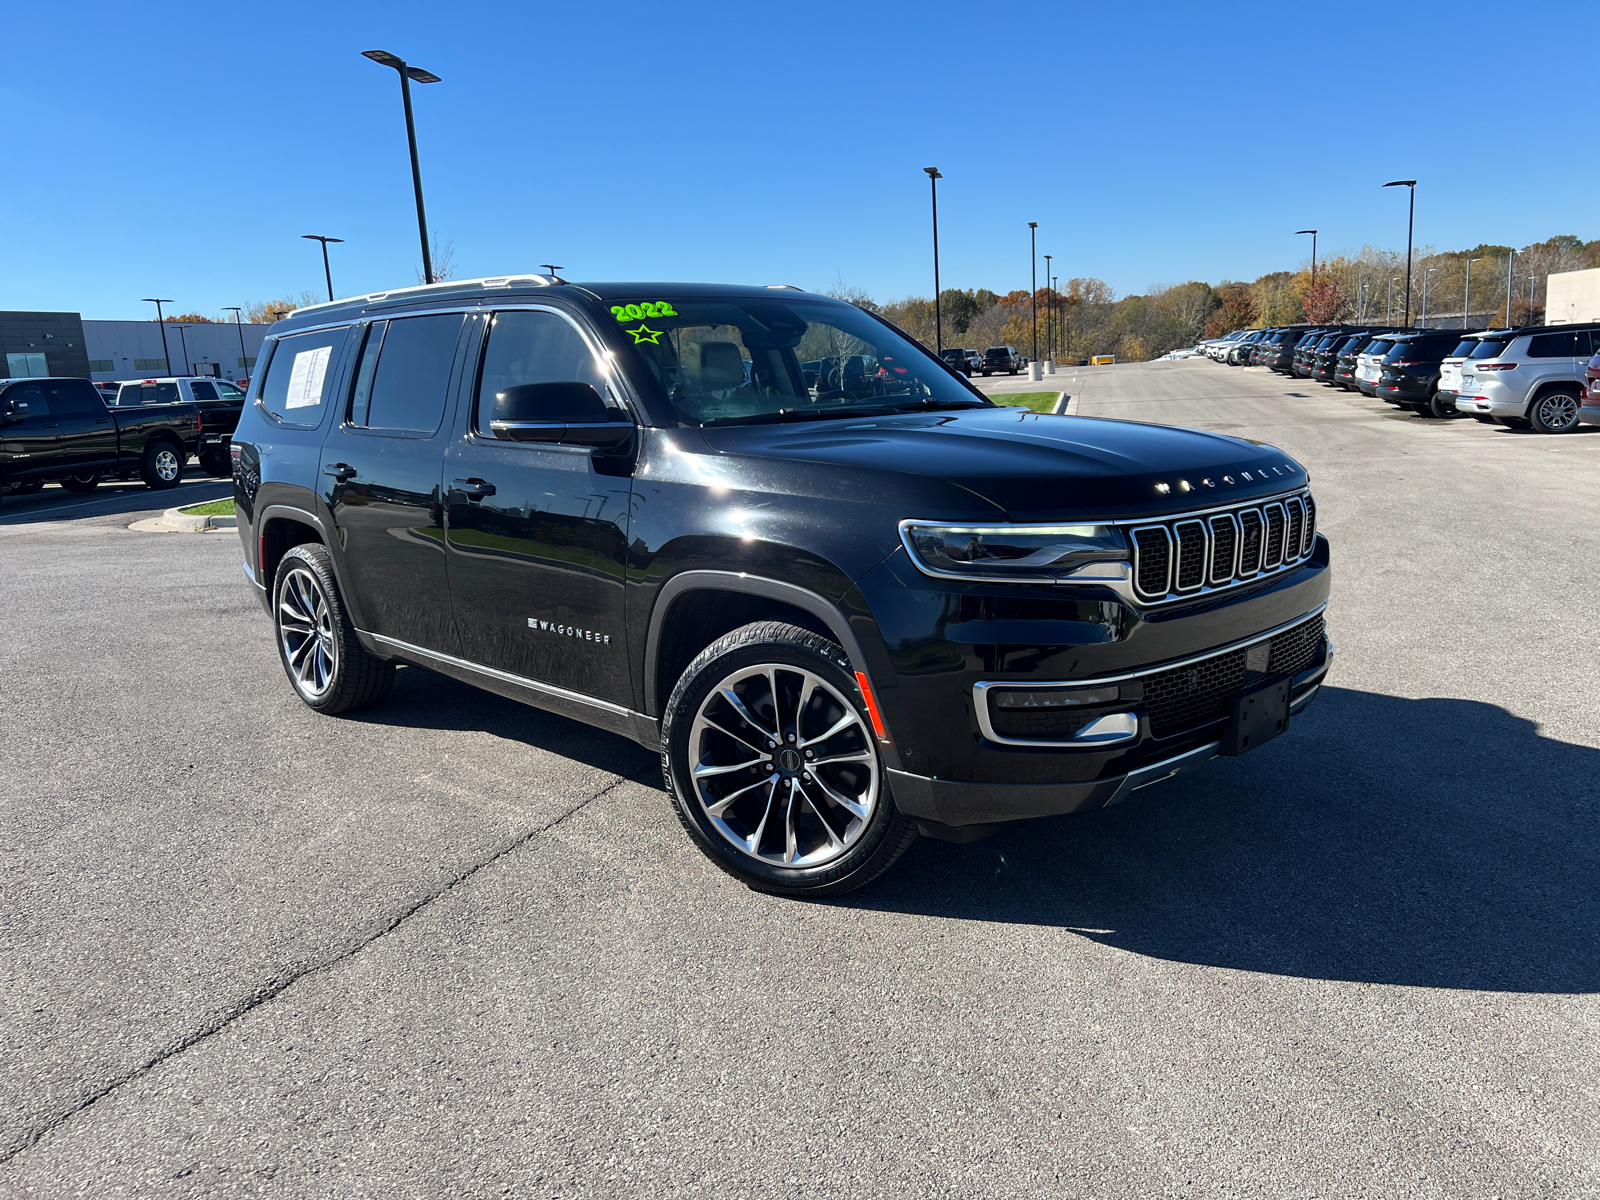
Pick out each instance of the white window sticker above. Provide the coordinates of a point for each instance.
(305, 380)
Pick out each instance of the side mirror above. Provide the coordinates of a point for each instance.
(571, 414)
(13, 410)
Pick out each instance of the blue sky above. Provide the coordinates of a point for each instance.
(182, 151)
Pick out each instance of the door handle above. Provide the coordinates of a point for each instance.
(340, 471)
(102, 420)
(474, 488)
(52, 425)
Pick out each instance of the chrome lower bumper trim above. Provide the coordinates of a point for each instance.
(1163, 770)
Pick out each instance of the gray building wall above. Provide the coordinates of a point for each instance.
(132, 349)
(54, 341)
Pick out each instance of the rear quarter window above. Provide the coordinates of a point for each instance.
(1552, 345)
(299, 380)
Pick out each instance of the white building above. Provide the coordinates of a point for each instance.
(1572, 296)
(133, 349)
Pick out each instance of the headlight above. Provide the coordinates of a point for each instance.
(1010, 553)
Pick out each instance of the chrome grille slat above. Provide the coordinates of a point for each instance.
(1190, 554)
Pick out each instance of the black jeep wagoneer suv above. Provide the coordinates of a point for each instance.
(847, 597)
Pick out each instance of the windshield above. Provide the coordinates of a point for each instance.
(734, 359)
(1489, 348)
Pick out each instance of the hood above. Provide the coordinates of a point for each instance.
(1036, 466)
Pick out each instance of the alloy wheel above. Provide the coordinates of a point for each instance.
(1558, 411)
(783, 766)
(305, 627)
(166, 464)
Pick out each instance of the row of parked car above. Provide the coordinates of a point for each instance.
(1541, 377)
(996, 360)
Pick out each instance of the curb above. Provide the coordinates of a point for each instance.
(175, 520)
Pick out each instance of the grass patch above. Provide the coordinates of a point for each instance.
(1038, 401)
(212, 508)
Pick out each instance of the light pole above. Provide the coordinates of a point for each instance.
(183, 344)
(1410, 224)
(407, 74)
(1033, 296)
(1055, 326)
(237, 324)
(1313, 234)
(1388, 308)
(1511, 267)
(326, 270)
(1048, 305)
(938, 316)
(1466, 297)
(1425, 275)
(167, 358)
(1533, 291)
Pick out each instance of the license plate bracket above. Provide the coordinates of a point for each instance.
(1257, 716)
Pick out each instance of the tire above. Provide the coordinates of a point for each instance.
(1013, 371)
(1556, 411)
(216, 464)
(162, 466)
(325, 662)
(821, 847)
(1439, 407)
(80, 483)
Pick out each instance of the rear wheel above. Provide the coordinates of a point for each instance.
(81, 483)
(772, 768)
(317, 644)
(1438, 406)
(1556, 411)
(162, 466)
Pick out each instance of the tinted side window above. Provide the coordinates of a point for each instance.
(410, 380)
(1588, 342)
(297, 383)
(71, 397)
(1464, 348)
(533, 347)
(1489, 348)
(32, 395)
(203, 391)
(1552, 345)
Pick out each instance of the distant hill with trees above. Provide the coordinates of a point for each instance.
(1086, 317)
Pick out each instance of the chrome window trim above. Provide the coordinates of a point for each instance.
(980, 690)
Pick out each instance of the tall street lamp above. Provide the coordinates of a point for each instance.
(326, 270)
(1055, 326)
(407, 74)
(1048, 303)
(167, 358)
(1033, 296)
(237, 324)
(1410, 223)
(938, 316)
(183, 344)
(1466, 298)
(1313, 234)
(1511, 268)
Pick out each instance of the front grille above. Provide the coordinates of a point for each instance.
(1189, 695)
(1185, 555)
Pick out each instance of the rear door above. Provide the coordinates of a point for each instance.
(538, 533)
(86, 435)
(381, 473)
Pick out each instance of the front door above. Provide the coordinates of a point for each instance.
(538, 533)
(29, 445)
(381, 471)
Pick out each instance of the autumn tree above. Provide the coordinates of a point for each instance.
(191, 318)
(1236, 311)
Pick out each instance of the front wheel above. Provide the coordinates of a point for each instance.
(770, 760)
(317, 643)
(162, 466)
(1555, 411)
(80, 483)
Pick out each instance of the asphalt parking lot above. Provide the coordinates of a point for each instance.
(457, 947)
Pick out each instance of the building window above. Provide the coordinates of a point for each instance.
(102, 364)
(21, 366)
(149, 364)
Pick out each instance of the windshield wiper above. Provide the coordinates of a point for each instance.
(932, 405)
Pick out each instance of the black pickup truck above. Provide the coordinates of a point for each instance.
(61, 430)
(219, 403)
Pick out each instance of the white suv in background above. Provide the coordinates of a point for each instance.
(1522, 377)
(1369, 364)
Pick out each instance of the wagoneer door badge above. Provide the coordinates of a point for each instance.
(571, 631)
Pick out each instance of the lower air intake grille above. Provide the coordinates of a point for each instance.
(1198, 692)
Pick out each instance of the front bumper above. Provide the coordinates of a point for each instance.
(947, 807)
